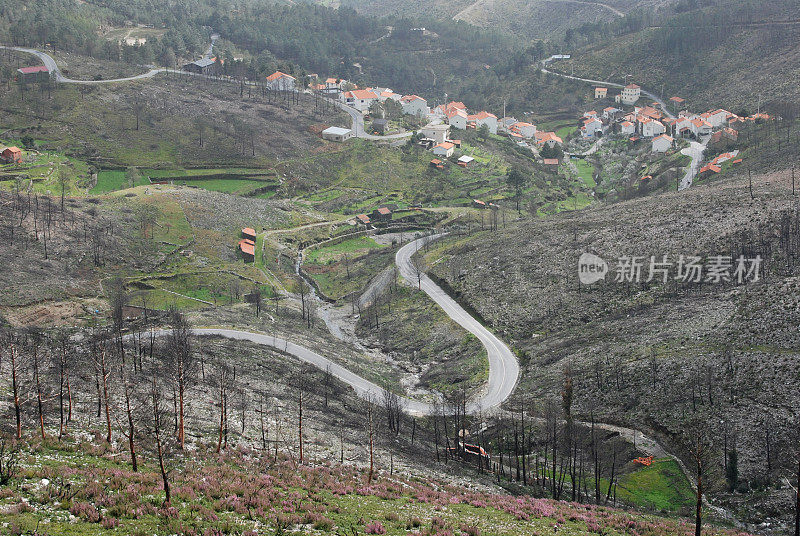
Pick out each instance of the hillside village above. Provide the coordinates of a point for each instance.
(654, 123)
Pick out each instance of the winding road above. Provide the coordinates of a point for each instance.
(48, 61)
(503, 365)
(358, 124)
(52, 66)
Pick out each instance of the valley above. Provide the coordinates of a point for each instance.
(397, 269)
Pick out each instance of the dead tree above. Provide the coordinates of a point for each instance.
(155, 393)
(183, 366)
(12, 349)
(224, 379)
(100, 355)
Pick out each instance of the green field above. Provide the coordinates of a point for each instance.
(661, 486)
(585, 172)
(240, 181)
(351, 247)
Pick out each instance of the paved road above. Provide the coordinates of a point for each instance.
(695, 152)
(51, 65)
(358, 124)
(503, 366)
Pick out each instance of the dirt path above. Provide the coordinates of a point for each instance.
(464, 13)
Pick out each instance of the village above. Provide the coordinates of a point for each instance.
(653, 123)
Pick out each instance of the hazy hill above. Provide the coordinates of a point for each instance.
(521, 19)
(722, 55)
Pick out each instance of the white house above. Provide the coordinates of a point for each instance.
(437, 133)
(652, 128)
(457, 119)
(414, 105)
(683, 126)
(337, 134)
(626, 127)
(717, 118)
(444, 149)
(630, 94)
(662, 143)
(547, 138)
(610, 112)
(279, 81)
(485, 118)
(526, 130)
(332, 85)
(699, 127)
(590, 126)
(444, 110)
(388, 94)
(360, 99)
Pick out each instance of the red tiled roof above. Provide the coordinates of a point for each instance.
(362, 94)
(249, 231)
(277, 75)
(247, 247)
(385, 211)
(363, 218)
(31, 70)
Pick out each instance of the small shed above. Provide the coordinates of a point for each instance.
(202, 66)
(363, 219)
(477, 203)
(337, 134)
(249, 233)
(438, 164)
(465, 161)
(381, 214)
(551, 163)
(248, 249)
(11, 155)
(39, 73)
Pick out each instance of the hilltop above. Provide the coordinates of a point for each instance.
(712, 54)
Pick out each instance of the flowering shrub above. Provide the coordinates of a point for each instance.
(374, 528)
(235, 492)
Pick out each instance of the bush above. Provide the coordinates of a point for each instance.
(376, 527)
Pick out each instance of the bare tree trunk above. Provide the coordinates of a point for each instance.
(300, 423)
(371, 444)
(159, 446)
(15, 387)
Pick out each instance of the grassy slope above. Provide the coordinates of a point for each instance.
(89, 490)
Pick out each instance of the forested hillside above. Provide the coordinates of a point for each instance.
(730, 54)
(479, 67)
